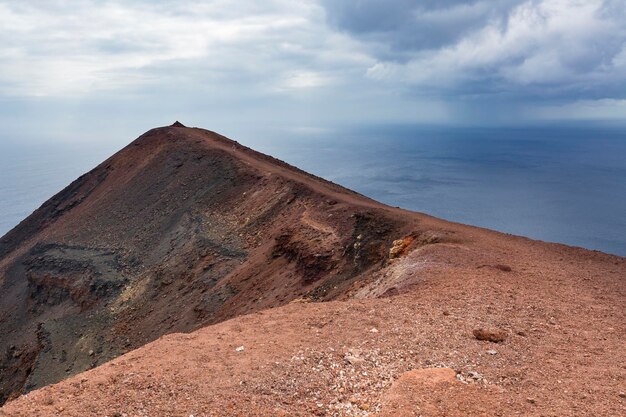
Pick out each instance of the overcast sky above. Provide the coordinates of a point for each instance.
(90, 69)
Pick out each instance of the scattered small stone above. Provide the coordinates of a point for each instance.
(475, 375)
(374, 330)
(90, 352)
(622, 394)
(531, 400)
(503, 268)
(490, 335)
(239, 349)
(492, 352)
(353, 360)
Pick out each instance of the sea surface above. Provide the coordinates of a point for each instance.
(558, 184)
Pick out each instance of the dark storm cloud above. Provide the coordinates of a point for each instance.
(408, 25)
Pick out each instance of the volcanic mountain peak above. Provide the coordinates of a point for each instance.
(185, 228)
(182, 228)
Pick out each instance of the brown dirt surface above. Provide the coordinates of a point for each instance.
(304, 313)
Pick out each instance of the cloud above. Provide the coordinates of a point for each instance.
(309, 63)
(72, 48)
(304, 80)
(399, 27)
(550, 48)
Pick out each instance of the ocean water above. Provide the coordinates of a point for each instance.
(558, 184)
(30, 174)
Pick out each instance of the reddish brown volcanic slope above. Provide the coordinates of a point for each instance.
(180, 229)
(185, 228)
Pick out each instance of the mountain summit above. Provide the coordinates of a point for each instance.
(180, 229)
(299, 297)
